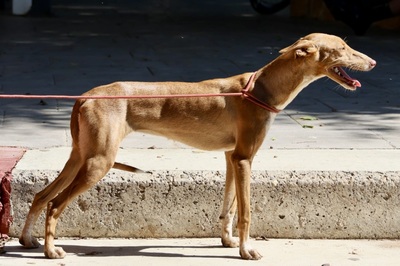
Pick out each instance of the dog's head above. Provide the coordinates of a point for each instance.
(328, 55)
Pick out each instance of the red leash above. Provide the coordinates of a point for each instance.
(84, 97)
(245, 93)
(254, 100)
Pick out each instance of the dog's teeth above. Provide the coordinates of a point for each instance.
(337, 71)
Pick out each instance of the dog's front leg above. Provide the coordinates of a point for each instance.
(242, 171)
(229, 205)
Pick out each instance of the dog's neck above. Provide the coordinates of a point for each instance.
(279, 82)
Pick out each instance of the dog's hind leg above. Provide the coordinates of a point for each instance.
(41, 199)
(229, 206)
(97, 128)
(91, 172)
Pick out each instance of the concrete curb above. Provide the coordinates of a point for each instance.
(181, 201)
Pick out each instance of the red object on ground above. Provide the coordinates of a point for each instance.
(8, 159)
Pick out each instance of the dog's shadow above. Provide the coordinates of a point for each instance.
(120, 251)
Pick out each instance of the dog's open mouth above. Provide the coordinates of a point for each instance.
(343, 78)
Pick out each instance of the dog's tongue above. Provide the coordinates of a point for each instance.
(355, 83)
(350, 80)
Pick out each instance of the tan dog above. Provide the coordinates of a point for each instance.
(232, 124)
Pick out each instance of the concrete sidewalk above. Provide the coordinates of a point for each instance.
(198, 160)
(194, 252)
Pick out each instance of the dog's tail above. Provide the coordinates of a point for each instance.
(125, 167)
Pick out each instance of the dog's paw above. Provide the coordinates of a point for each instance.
(29, 242)
(55, 253)
(249, 254)
(230, 242)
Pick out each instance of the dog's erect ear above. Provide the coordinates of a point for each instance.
(301, 48)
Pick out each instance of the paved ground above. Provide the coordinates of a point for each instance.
(88, 43)
(195, 252)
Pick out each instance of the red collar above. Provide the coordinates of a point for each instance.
(251, 98)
